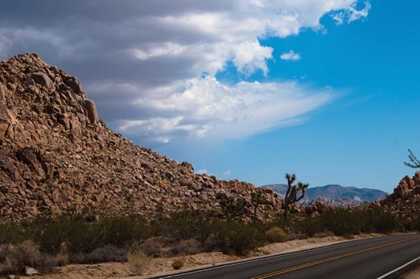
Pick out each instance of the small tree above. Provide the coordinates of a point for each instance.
(256, 200)
(292, 192)
(415, 163)
(232, 208)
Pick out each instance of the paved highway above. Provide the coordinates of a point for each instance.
(365, 258)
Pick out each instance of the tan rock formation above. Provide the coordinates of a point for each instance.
(405, 200)
(56, 153)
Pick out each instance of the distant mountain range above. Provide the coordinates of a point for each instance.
(334, 195)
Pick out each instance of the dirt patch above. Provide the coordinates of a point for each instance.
(414, 274)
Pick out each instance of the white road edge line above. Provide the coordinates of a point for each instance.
(395, 270)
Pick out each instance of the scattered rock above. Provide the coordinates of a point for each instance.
(30, 271)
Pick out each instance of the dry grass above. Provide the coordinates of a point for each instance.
(276, 234)
(14, 258)
(138, 262)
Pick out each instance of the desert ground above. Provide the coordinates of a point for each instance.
(144, 268)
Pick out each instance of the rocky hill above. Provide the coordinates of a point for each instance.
(57, 154)
(405, 200)
(333, 195)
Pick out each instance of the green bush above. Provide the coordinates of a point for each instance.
(280, 221)
(183, 225)
(84, 237)
(49, 233)
(415, 222)
(11, 233)
(340, 221)
(276, 234)
(234, 237)
(379, 220)
(121, 231)
(309, 226)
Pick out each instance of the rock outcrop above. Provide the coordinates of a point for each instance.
(55, 154)
(405, 200)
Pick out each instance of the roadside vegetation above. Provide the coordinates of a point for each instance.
(51, 241)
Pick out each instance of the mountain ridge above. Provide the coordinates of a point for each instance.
(333, 194)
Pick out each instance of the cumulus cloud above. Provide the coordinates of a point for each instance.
(142, 61)
(290, 56)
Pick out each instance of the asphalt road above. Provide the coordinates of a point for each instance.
(365, 258)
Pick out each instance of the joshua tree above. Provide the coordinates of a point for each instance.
(232, 207)
(415, 163)
(292, 192)
(256, 200)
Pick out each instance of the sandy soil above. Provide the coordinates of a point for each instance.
(414, 274)
(161, 266)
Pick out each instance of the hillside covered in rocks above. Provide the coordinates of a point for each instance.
(57, 154)
(405, 200)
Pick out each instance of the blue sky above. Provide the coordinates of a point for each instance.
(247, 90)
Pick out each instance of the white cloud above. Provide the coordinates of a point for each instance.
(167, 49)
(250, 56)
(290, 56)
(228, 172)
(351, 14)
(204, 107)
(141, 62)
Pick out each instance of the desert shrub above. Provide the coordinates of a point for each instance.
(377, 219)
(178, 264)
(281, 222)
(47, 264)
(235, 237)
(308, 226)
(276, 234)
(138, 262)
(122, 231)
(84, 237)
(14, 258)
(187, 247)
(340, 221)
(415, 222)
(150, 247)
(76, 258)
(25, 253)
(108, 253)
(184, 224)
(11, 233)
(50, 233)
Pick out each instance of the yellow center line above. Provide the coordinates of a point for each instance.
(290, 269)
